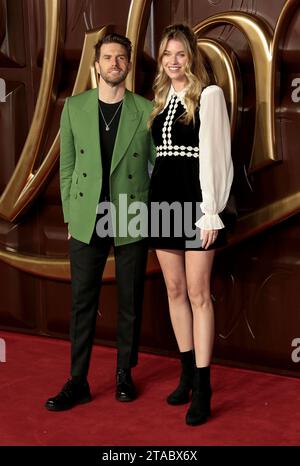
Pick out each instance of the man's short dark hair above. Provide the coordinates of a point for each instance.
(113, 38)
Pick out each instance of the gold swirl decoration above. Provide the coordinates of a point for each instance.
(226, 72)
(264, 47)
(59, 269)
(25, 185)
(138, 19)
(20, 189)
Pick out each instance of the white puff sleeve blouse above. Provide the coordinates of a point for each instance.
(215, 162)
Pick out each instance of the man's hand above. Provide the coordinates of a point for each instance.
(208, 237)
(69, 235)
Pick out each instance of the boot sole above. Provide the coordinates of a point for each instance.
(125, 400)
(198, 423)
(179, 403)
(81, 402)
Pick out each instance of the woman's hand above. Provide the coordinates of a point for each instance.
(208, 237)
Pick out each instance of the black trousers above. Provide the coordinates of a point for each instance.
(87, 265)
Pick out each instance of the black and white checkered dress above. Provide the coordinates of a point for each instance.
(175, 179)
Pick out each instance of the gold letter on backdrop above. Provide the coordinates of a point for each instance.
(25, 185)
(264, 48)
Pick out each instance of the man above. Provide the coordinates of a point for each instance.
(105, 149)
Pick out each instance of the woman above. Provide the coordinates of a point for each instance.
(193, 171)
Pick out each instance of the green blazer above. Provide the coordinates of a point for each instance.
(81, 168)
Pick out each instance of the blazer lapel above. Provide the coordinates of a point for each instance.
(91, 125)
(129, 122)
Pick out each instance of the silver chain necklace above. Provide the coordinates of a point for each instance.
(107, 125)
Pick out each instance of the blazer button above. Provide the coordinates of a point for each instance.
(84, 175)
(132, 196)
(81, 151)
(81, 194)
(135, 155)
(130, 177)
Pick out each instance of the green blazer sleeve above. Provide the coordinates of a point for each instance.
(67, 159)
(152, 151)
(152, 156)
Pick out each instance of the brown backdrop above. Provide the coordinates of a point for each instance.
(255, 280)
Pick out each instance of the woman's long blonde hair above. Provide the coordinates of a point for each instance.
(195, 72)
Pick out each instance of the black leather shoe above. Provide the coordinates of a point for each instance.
(125, 389)
(72, 394)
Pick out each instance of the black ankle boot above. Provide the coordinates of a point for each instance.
(181, 394)
(199, 410)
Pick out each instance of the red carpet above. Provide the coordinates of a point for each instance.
(249, 408)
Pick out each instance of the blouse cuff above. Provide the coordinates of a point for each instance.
(210, 222)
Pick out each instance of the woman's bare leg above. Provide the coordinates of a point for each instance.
(173, 268)
(198, 265)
